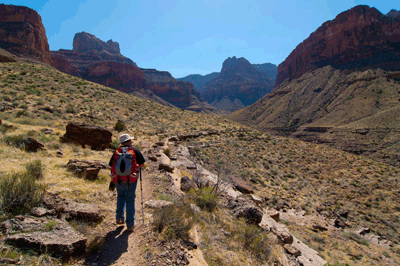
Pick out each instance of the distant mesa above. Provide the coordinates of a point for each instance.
(239, 82)
(357, 38)
(22, 33)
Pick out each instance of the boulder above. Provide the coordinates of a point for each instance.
(275, 216)
(98, 138)
(165, 163)
(283, 236)
(32, 145)
(241, 185)
(292, 250)
(186, 184)
(86, 169)
(72, 210)
(40, 211)
(53, 236)
(246, 208)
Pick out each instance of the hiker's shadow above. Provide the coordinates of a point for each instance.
(115, 245)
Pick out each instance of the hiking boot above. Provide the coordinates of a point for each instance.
(130, 229)
(120, 221)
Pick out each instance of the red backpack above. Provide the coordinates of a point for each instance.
(124, 165)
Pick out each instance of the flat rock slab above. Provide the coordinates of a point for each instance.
(72, 209)
(53, 236)
(158, 204)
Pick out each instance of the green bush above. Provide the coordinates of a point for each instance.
(19, 193)
(120, 126)
(15, 140)
(204, 198)
(114, 144)
(35, 169)
(174, 222)
(253, 238)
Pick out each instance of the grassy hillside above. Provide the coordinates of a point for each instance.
(333, 106)
(314, 179)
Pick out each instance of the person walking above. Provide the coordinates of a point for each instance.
(124, 166)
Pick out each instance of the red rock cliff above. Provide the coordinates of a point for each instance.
(361, 36)
(22, 33)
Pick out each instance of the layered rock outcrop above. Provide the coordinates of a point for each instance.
(120, 76)
(22, 33)
(238, 80)
(357, 38)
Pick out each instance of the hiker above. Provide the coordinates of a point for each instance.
(124, 163)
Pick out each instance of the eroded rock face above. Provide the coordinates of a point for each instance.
(361, 36)
(123, 77)
(98, 138)
(64, 65)
(22, 33)
(179, 93)
(239, 81)
(244, 207)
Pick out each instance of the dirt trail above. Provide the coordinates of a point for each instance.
(128, 248)
(123, 247)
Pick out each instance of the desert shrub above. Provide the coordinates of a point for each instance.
(22, 113)
(204, 198)
(35, 169)
(19, 193)
(167, 152)
(253, 239)
(357, 238)
(17, 141)
(174, 222)
(70, 109)
(120, 126)
(115, 144)
(5, 127)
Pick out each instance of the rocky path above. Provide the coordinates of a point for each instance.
(123, 247)
(130, 248)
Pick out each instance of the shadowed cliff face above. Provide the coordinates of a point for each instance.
(22, 33)
(122, 77)
(357, 38)
(238, 81)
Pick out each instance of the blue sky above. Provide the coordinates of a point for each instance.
(192, 37)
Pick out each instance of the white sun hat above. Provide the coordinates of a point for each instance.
(124, 138)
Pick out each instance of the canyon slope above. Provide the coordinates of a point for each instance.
(340, 86)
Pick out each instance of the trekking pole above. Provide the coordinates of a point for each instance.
(141, 191)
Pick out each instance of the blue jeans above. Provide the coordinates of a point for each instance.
(126, 198)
